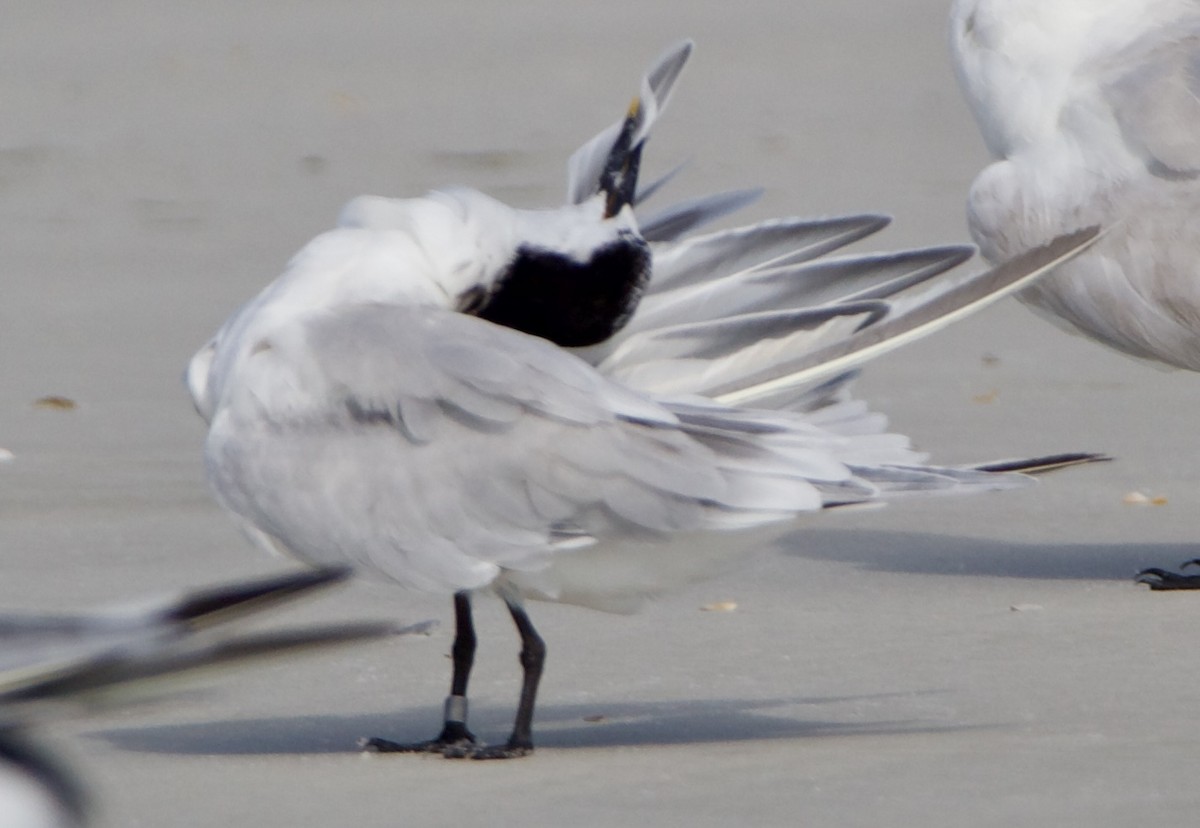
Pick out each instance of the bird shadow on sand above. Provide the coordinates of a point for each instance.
(593, 725)
(930, 554)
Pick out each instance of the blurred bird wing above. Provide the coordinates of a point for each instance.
(44, 657)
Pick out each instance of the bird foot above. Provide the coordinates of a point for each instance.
(454, 740)
(448, 749)
(1161, 579)
(508, 751)
(460, 749)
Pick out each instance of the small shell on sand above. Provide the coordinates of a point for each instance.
(52, 401)
(1139, 499)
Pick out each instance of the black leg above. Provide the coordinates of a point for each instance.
(454, 740)
(533, 657)
(454, 727)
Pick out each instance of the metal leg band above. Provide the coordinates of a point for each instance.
(456, 709)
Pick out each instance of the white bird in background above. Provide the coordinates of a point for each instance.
(54, 665)
(573, 405)
(1092, 111)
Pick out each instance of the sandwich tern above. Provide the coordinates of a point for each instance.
(64, 665)
(578, 404)
(1091, 109)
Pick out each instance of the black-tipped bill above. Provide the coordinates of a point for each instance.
(618, 181)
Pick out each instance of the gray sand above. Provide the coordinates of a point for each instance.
(156, 168)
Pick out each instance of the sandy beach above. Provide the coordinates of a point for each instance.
(983, 661)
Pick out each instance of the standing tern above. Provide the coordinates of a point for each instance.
(56, 665)
(577, 405)
(1091, 109)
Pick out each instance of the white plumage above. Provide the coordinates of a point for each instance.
(1090, 108)
(367, 408)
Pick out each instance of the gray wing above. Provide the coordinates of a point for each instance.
(1153, 87)
(52, 662)
(764, 356)
(761, 267)
(438, 448)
